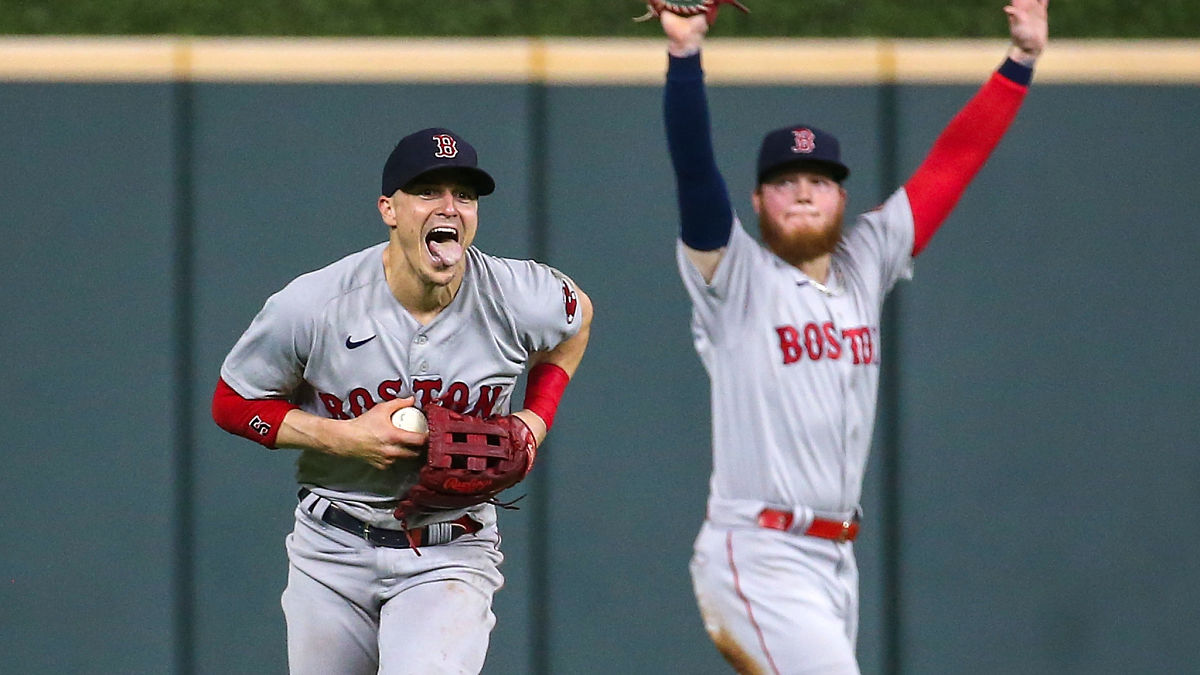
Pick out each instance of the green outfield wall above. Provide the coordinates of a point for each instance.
(1031, 501)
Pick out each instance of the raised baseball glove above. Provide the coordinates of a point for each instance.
(708, 8)
(468, 461)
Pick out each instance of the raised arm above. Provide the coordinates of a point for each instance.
(705, 211)
(968, 140)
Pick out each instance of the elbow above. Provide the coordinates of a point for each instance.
(224, 406)
(258, 420)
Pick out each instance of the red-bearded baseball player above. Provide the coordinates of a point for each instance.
(788, 331)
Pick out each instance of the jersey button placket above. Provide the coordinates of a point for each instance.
(421, 340)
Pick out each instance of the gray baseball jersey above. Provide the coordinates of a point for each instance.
(336, 342)
(776, 344)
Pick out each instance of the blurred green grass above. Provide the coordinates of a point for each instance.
(770, 18)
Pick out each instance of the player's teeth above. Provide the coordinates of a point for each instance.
(443, 233)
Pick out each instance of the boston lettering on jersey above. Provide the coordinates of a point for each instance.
(818, 341)
(456, 397)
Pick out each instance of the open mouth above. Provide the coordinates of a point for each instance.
(444, 246)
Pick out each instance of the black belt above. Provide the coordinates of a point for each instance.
(430, 535)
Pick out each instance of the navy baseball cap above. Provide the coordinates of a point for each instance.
(800, 145)
(431, 149)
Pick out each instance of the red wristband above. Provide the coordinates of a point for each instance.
(256, 419)
(544, 389)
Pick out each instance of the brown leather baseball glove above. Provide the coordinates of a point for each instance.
(689, 8)
(469, 460)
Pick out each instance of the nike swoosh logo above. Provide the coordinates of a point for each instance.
(351, 343)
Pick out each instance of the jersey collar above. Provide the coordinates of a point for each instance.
(831, 288)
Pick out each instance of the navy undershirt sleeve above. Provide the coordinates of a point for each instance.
(705, 212)
(1017, 72)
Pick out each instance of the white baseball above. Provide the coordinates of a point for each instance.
(410, 419)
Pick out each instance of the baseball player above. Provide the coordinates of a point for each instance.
(788, 331)
(423, 318)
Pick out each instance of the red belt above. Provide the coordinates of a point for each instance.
(836, 530)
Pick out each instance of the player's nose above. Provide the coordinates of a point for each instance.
(446, 203)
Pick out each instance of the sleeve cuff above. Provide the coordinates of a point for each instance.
(684, 67)
(1016, 72)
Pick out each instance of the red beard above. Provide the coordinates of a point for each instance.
(796, 247)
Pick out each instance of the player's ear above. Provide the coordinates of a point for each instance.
(387, 211)
(756, 200)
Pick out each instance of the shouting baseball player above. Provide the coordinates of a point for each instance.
(788, 332)
(391, 571)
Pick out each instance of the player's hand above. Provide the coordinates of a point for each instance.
(684, 34)
(1028, 24)
(373, 438)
